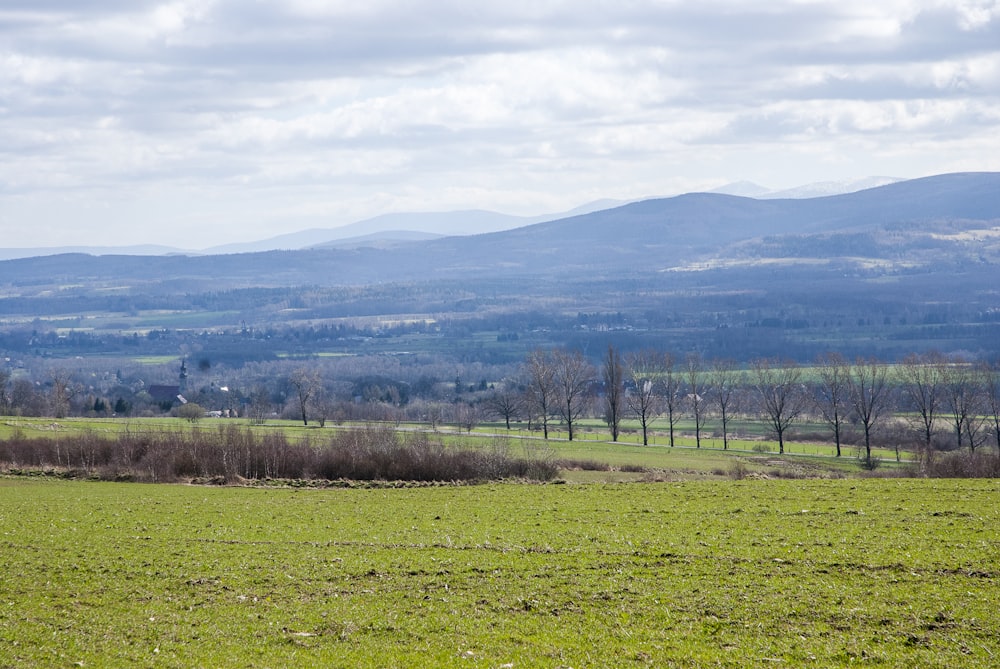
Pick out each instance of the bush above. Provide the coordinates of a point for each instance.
(584, 465)
(190, 412)
(233, 453)
(381, 454)
(869, 463)
(964, 464)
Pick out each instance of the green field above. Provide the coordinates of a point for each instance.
(751, 573)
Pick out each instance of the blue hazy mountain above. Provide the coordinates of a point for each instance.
(919, 221)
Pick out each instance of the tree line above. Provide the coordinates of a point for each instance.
(925, 402)
(946, 402)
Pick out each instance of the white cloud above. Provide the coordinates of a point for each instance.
(974, 14)
(280, 115)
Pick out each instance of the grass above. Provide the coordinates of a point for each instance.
(751, 573)
(155, 359)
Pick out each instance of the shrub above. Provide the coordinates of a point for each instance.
(963, 464)
(381, 454)
(190, 412)
(584, 465)
(869, 463)
(233, 453)
(738, 470)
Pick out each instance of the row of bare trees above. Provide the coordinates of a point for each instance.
(850, 396)
(558, 385)
(856, 397)
(930, 389)
(929, 401)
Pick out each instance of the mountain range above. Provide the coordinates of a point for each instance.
(392, 229)
(933, 224)
(903, 222)
(383, 230)
(899, 222)
(817, 189)
(891, 269)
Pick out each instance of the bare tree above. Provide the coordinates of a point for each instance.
(991, 378)
(696, 392)
(323, 405)
(306, 383)
(645, 371)
(505, 402)
(260, 404)
(467, 416)
(962, 394)
(832, 398)
(975, 422)
(573, 376)
(869, 390)
(614, 389)
(24, 399)
(4, 396)
(726, 380)
(542, 390)
(975, 429)
(923, 379)
(779, 387)
(63, 390)
(671, 394)
(434, 415)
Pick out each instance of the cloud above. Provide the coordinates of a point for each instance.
(228, 118)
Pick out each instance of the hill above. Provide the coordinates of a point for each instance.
(395, 227)
(664, 233)
(939, 216)
(901, 267)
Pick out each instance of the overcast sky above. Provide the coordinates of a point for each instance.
(193, 123)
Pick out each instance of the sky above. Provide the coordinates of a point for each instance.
(204, 122)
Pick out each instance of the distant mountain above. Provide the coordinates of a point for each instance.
(664, 233)
(387, 227)
(385, 230)
(889, 270)
(290, 241)
(818, 189)
(379, 240)
(433, 223)
(909, 223)
(827, 188)
(742, 189)
(378, 232)
(139, 250)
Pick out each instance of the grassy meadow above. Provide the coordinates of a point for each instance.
(886, 572)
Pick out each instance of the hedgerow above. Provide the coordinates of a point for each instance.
(233, 454)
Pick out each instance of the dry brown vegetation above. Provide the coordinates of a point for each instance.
(233, 453)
